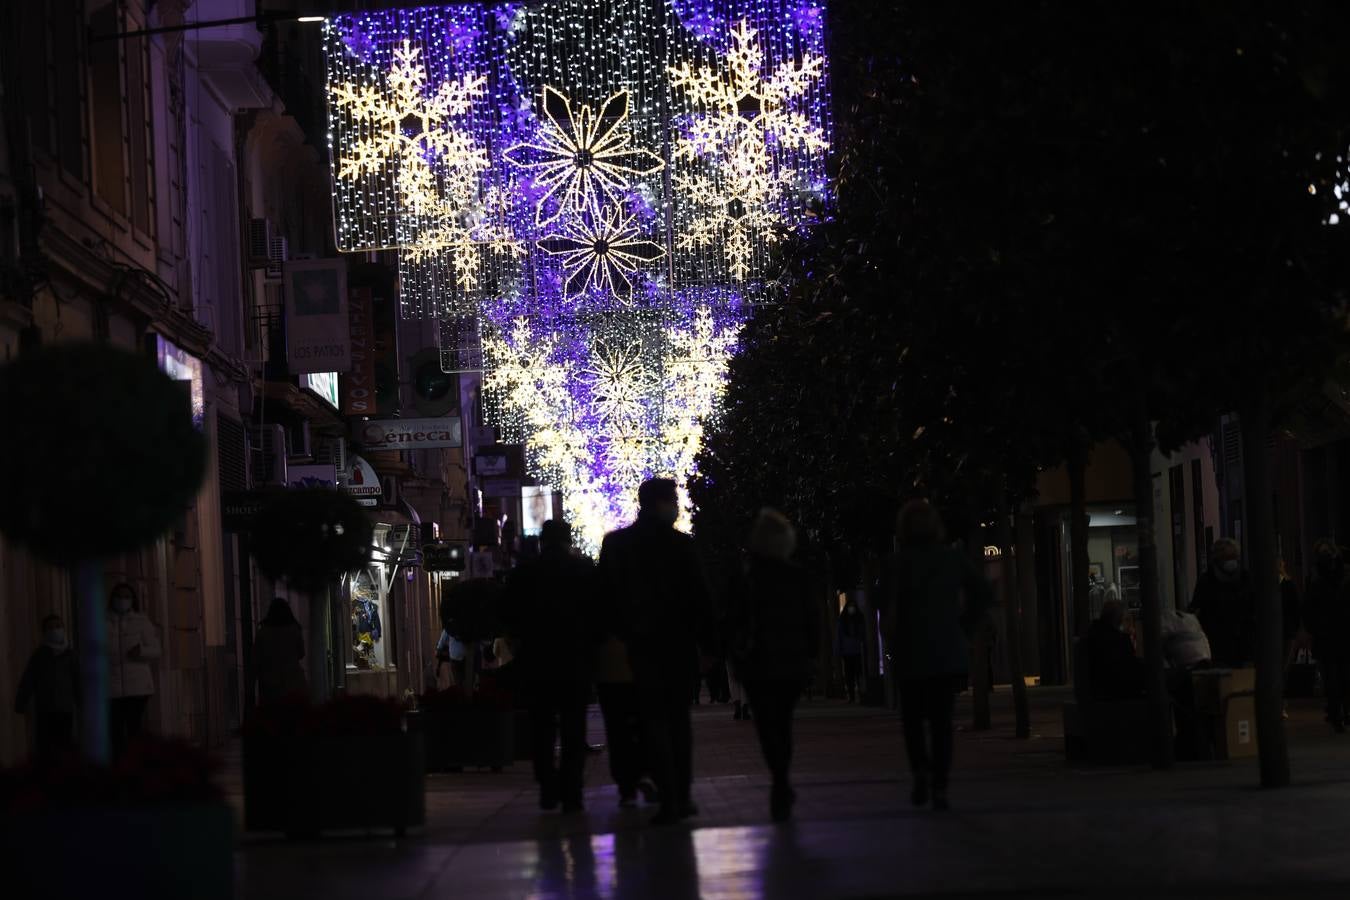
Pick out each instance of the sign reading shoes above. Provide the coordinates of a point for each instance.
(410, 434)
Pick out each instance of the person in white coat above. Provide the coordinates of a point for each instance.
(132, 643)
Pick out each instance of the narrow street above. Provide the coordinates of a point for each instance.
(1023, 824)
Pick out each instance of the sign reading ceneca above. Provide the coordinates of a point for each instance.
(410, 434)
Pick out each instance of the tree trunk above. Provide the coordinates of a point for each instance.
(1260, 537)
(1078, 536)
(1012, 611)
(1025, 539)
(92, 603)
(982, 720)
(1160, 706)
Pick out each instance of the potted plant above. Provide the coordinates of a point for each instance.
(349, 763)
(464, 730)
(154, 824)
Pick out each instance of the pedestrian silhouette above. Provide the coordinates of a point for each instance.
(549, 611)
(277, 652)
(653, 582)
(775, 639)
(51, 684)
(936, 598)
(1327, 614)
(132, 643)
(849, 638)
(1225, 603)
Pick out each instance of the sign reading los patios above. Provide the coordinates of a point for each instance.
(410, 434)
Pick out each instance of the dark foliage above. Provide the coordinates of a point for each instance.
(311, 536)
(96, 428)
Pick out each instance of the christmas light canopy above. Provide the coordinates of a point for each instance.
(596, 185)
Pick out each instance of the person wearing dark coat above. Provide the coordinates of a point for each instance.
(1114, 671)
(1327, 617)
(551, 615)
(51, 683)
(655, 587)
(277, 654)
(849, 641)
(776, 638)
(935, 598)
(1225, 603)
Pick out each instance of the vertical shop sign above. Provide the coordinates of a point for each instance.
(358, 385)
(384, 323)
(318, 329)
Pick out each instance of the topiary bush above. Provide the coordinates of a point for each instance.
(310, 536)
(98, 429)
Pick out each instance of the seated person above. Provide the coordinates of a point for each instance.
(1185, 649)
(1185, 646)
(1114, 672)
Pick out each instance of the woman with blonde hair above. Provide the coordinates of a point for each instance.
(935, 597)
(775, 639)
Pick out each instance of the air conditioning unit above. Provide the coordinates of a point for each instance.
(260, 234)
(334, 451)
(298, 443)
(277, 255)
(267, 450)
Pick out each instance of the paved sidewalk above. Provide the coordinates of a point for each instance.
(1024, 824)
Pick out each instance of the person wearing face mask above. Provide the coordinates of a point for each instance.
(1327, 617)
(1225, 603)
(51, 683)
(652, 582)
(132, 644)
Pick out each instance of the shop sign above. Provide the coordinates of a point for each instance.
(490, 464)
(410, 434)
(450, 556)
(325, 384)
(358, 385)
(239, 508)
(536, 508)
(318, 329)
(311, 476)
(362, 483)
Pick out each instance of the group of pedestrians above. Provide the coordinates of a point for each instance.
(643, 623)
(49, 687)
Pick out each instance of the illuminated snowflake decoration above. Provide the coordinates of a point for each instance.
(405, 126)
(620, 382)
(601, 252)
(746, 114)
(446, 260)
(582, 159)
(695, 367)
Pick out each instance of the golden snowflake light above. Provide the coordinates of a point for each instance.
(403, 126)
(734, 185)
(582, 159)
(600, 252)
(620, 382)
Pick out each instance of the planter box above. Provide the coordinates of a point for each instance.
(467, 737)
(144, 852)
(304, 785)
